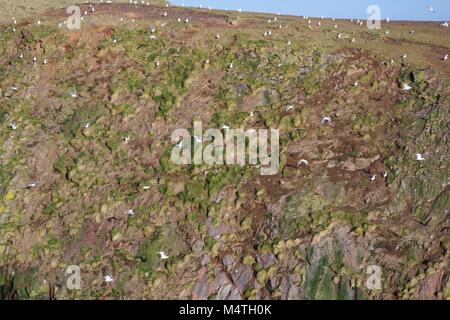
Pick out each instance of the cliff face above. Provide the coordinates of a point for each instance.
(85, 124)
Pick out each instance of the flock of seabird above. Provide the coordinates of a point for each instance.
(326, 120)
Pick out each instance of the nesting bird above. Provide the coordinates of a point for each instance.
(445, 57)
(303, 162)
(419, 157)
(108, 279)
(289, 108)
(406, 87)
(326, 120)
(162, 255)
(32, 185)
(74, 93)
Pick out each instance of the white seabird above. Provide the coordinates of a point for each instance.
(419, 157)
(406, 87)
(289, 108)
(162, 255)
(32, 185)
(326, 120)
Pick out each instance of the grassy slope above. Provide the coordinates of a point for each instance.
(24, 8)
(305, 233)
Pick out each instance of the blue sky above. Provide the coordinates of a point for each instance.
(394, 9)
